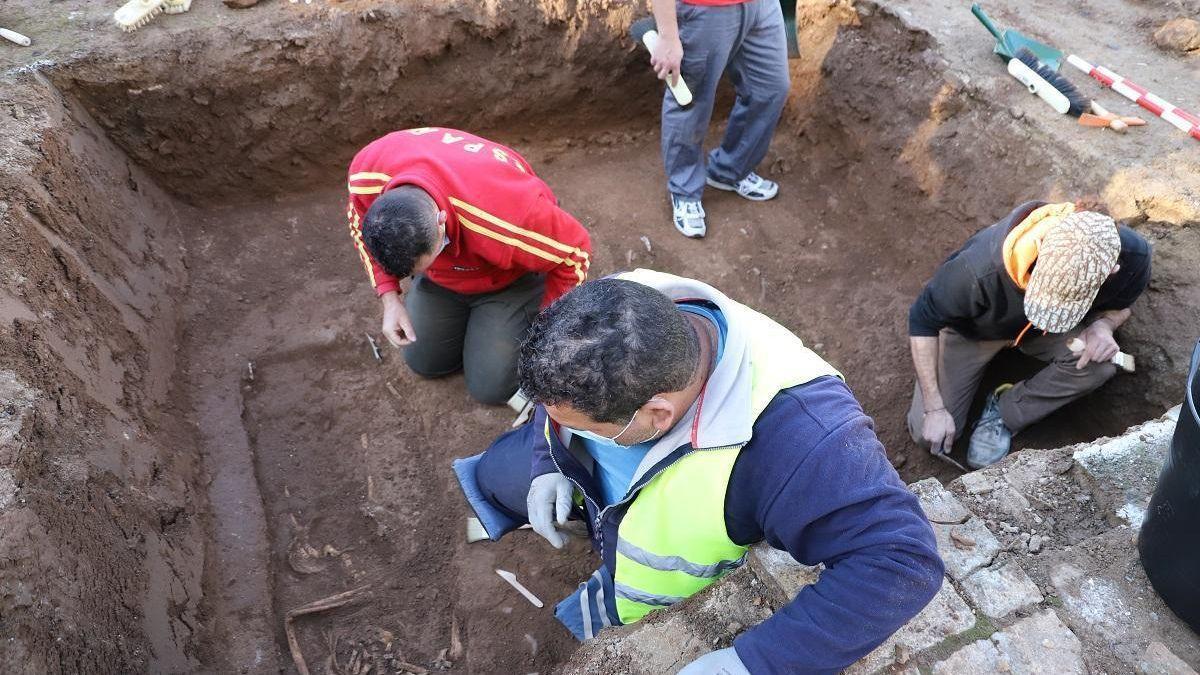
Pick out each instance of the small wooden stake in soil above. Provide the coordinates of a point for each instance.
(322, 605)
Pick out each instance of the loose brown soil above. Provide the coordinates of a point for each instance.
(193, 203)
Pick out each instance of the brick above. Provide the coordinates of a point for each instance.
(1158, 660)
(978, 658)
(1110, 605)
(1041, 644)
(1000, 591)
(1094, 600)
(938, 504)
(963, 560)
(1122, 472)
(666, 641)
(780, 573)
(945, 616)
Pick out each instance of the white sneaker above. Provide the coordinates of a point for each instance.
(689, 217)
(753, 187)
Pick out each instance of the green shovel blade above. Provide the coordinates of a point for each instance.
(1044, 52)
(1010, 42)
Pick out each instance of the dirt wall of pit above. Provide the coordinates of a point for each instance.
(270, 106)
(100, 547)
(101, 540)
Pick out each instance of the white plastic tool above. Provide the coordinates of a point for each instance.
(1121, 360)
(1036, 85)
(14, 36)
(176, 6)
(512, 580)
(679, 89)
(137, 13)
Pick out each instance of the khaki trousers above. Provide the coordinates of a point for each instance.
(963, 362)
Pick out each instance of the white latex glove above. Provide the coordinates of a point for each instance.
(548, 502)
(721, 662)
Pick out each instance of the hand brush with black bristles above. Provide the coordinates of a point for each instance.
(1049, 85)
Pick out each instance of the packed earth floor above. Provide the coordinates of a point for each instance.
(187, 323)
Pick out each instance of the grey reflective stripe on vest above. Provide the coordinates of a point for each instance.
(585, 605)
(673, 563)
(631, 593)
(600, 600)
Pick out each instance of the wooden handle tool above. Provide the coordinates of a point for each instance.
(1122, 360)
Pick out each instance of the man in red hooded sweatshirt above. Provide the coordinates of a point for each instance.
(482, 238)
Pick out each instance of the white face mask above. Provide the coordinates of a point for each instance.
(611, 441)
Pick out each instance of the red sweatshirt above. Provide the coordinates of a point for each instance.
(502, 220)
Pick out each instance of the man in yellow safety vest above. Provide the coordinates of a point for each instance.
(682, 427)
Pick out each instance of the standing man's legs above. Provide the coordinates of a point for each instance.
(495, 329)
(960, 369)
(1054, 386)
(439, 316)
(759, 71)
(709, 35)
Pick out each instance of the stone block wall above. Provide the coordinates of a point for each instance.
(1042, 577)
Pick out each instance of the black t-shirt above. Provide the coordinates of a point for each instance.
(972, 293)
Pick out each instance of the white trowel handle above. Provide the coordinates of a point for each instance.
(680, 90)
(14, 36)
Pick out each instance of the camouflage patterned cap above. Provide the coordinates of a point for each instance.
(1074, 259)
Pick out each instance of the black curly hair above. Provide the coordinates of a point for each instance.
(606, 348)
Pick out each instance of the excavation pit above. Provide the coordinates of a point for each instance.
(203, 439)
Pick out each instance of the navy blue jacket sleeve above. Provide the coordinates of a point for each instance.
(815, 482)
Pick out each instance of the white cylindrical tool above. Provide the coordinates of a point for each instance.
(643, 31)
(14, 36)
(679, 89)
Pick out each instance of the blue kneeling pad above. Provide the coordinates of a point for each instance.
(495, 522)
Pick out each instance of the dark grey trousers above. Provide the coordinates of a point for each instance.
(478, 334)
(747, 40)
(962, 366)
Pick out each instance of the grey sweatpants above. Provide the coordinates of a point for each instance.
(478, 334)
(961, 370)
(748, 41)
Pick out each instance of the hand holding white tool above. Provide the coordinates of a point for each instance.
(1121, 360)
(14, 36)
(643, 31)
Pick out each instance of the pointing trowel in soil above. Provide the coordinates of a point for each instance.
(643, 31)
(512, 580)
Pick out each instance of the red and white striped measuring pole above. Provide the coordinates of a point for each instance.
(1181, 119)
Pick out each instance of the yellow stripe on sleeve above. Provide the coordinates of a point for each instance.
(367, 175)
(536, 236)
(355, 190)
(517, 243)
(356, 235)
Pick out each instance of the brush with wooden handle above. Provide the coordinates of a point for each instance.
(1121, 360)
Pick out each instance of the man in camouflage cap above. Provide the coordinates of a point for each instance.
(1042, 276)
